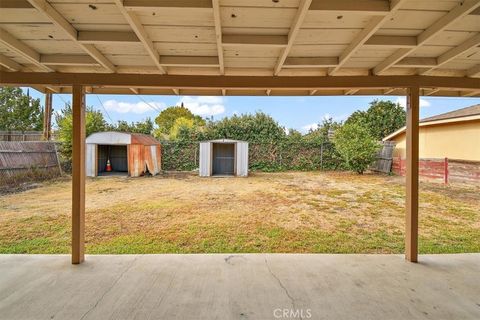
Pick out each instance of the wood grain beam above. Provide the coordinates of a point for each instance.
(78, 175)
(292, 34)
(21, 48)
(411, 199)
(234, 82)
(392, 41)
(67, 60)
(417, 62)
(310, 62)
(141, 33)
(367, 7)
(440, 25)
(94, 37)
(9, 63)
(139, 5)
(57, 19)
(363, 36)
(451, 54)
(190, 61)
(474, 71)
(255, 40)
(218, 34)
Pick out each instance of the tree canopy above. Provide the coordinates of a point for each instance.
(381, 118)
(166, 119)
(356, 146)
(145, 127)
(19, 111)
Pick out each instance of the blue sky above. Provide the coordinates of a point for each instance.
(299, 113)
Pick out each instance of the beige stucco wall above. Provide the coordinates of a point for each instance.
(457, 140)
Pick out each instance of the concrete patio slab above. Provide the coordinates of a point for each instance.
(240, 286)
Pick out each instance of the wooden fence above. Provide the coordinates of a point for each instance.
(383, 162)
(21, 135)
(442, 169)
(20, 161)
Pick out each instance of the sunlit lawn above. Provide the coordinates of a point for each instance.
(267, 212)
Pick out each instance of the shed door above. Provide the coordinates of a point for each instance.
(223, 158)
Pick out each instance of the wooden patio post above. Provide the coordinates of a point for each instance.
(47, 116)
(78, 176)
(411, 219)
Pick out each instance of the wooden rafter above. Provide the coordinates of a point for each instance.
(56, 18)
(141, 33)
(474, 72)
(440, 25)
(21, 48)
(451, 54)
(9, 63)
(431, 92)
(218, 34)
(235, 82)
(373, 25)
(292, 34)
(351, 92)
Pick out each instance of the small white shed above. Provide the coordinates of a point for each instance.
(223, 157)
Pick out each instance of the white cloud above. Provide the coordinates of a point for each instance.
(204, 105)
(403, 102)
(127, 107)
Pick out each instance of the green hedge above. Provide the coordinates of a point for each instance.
(288, 155)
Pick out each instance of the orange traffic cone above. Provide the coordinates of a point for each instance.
(109, 166)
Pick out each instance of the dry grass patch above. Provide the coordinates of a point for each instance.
(269, 212)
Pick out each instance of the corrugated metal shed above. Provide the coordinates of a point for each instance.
(131, 153)
(223, 157)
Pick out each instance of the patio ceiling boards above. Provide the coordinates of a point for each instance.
(264, 38)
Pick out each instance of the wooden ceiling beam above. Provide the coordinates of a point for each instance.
(440, 25)
(190, 61)
(292, 34)
(474, 72)
(141, 33)
(218, 34)
(15, 4)
(57, 19)
(363, 36)
(94, 37)
(351, 92)
(370, 7)
(430, 92)
(417, 62)
(67, 60)
(255, 40)
(235, 82)
(392, 41)
(310, 62)
(139, 5)
(451, 54)
(9, 63)
(21, 48)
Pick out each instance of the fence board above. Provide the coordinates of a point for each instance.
(20, 160)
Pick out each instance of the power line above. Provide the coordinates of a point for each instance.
(105, 109)
(150, 105)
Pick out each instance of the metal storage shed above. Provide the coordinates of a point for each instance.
(129, 153)
(223, 157)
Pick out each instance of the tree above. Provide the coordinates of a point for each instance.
(258, 127)
(94, 122)
(356, 146)
(19, 111)
(381, 118)
(166, 119)
(145, 127)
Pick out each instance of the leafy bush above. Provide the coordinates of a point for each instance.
(356, 146)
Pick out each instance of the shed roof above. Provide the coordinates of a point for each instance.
(224, 141)
(460, 115)
(121, 138)
(285, 38)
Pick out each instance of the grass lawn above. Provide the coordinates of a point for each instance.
(329, 212)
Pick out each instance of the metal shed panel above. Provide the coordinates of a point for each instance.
(91, 160)
(110, 138)
(205, 159)
(242, 158)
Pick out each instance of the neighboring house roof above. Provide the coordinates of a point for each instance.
(464, 114)
(121, 138)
